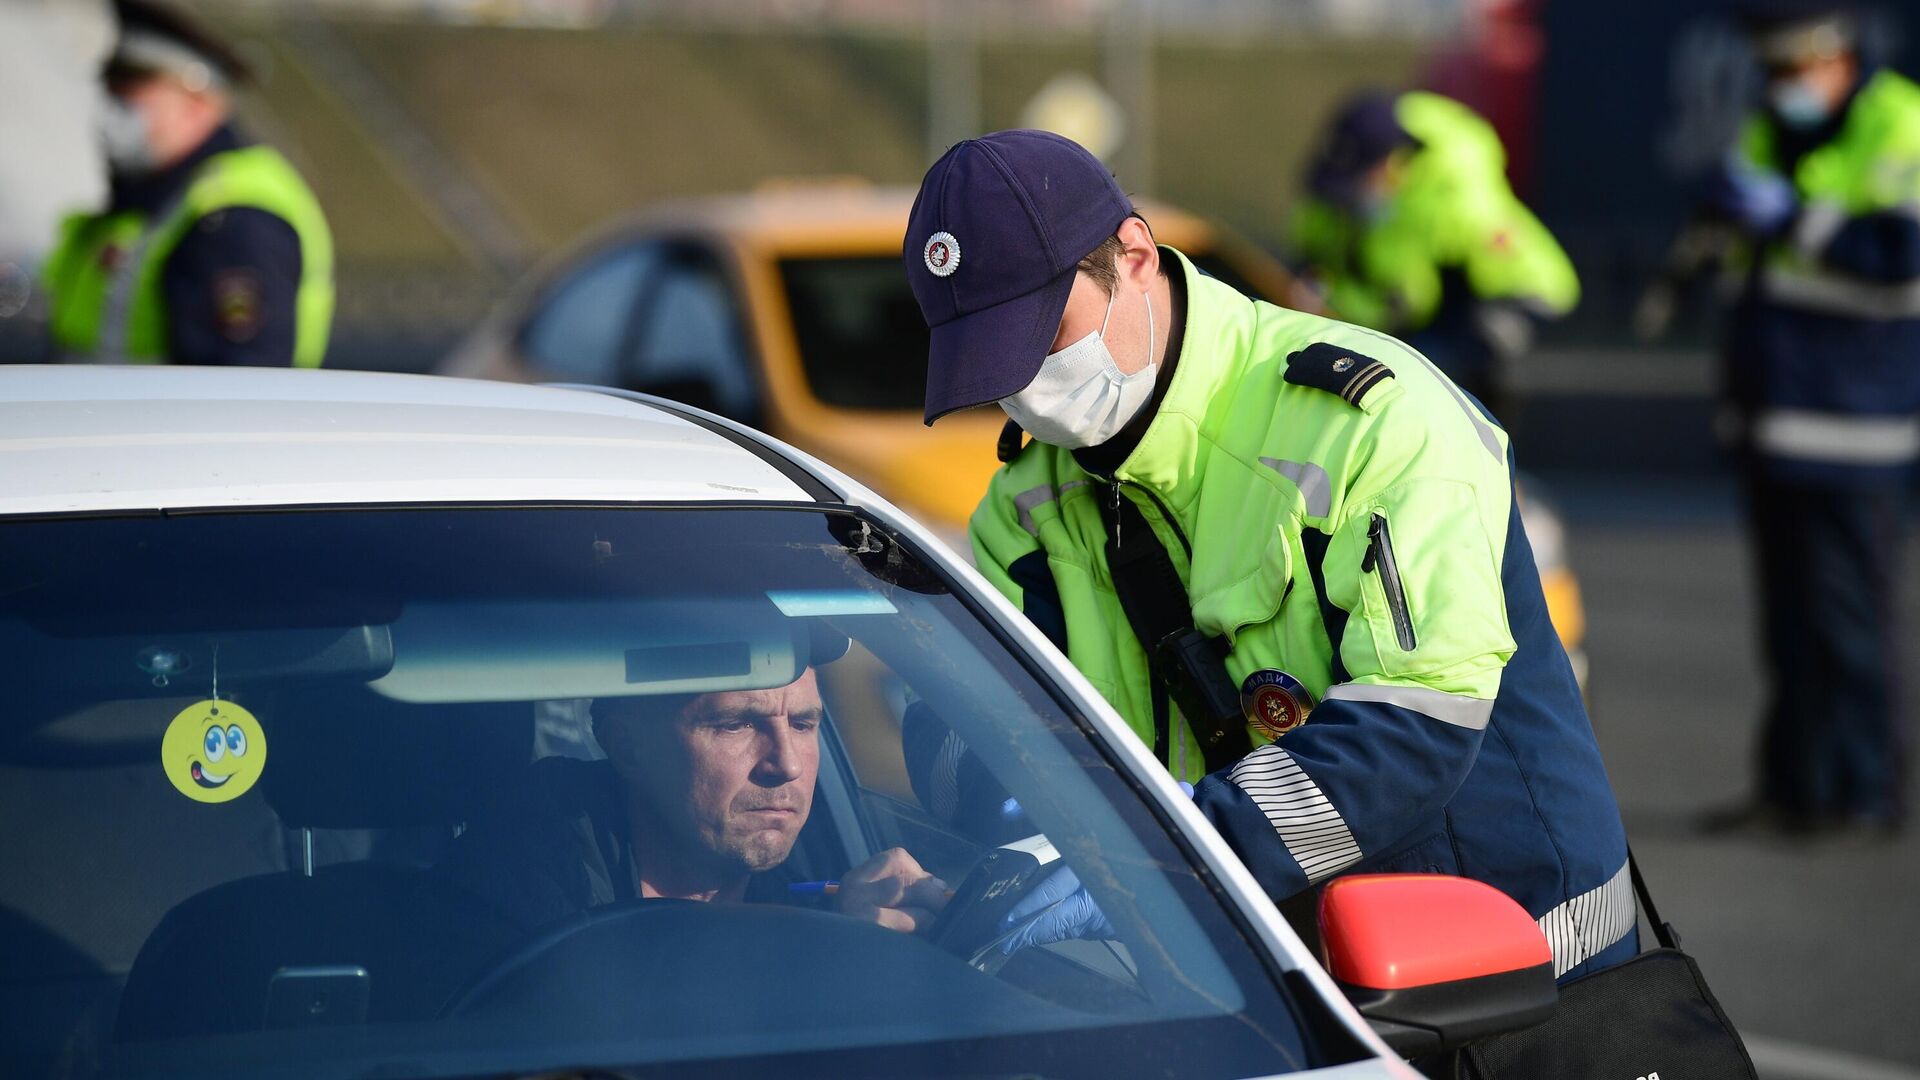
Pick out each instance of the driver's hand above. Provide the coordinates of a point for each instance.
(1058, 909)
(891, 889)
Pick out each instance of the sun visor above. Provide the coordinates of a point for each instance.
(536, 651)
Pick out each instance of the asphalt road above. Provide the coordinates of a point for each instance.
(1811, 948)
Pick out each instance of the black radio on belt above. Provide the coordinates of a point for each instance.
(1194, 667)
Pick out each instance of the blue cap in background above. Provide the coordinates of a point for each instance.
(991, 246)
(1363, 131)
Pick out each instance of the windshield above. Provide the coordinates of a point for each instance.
(861, 338)
(491, 791)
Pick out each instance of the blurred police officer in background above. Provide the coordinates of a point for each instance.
(1822, 389)
(1284, 548)
(1410, 226)
(211, 250)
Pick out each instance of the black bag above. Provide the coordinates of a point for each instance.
(1651, 1017)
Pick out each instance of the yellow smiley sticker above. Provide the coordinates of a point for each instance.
(213, 751)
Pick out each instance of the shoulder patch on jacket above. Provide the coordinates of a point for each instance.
(1341, 372)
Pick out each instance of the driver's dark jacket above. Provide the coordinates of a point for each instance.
(559, 845)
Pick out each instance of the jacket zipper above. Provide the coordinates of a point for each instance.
(1379, 558)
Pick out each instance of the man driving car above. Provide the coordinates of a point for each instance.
(702, 797)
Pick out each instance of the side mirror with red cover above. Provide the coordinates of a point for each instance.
(1433, 961)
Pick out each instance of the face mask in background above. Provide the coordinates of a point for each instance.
(1080, 398)
(1372, 206)
(1798, 105)
(124, 133)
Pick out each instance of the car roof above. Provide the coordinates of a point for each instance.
(847, 216)
(104, 438)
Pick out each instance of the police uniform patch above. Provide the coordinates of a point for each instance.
(237, 305)
(1342, 372)
(1275, 701)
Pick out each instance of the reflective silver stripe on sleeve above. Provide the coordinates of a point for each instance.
(1312, 480)
(1834, 294)
(1456, 709)
(1033, 498)
(1314, 832)
(1838, 438)
(1027, 500)
(1588, 924)
(1819, 221)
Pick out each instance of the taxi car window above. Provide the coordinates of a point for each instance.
(1215, 267)
(430, 861)
(688, 343)
(861, 339)
(862, 342)
(577, 331)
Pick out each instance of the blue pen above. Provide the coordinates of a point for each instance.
(813, 888)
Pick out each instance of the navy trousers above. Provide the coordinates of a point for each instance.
(1828, 559)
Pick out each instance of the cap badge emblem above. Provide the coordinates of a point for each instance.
(942, 254)
(1343, 364)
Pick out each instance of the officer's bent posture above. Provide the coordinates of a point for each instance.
(1288, 510)
(210, 251)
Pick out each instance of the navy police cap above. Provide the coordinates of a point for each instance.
(1363, 132)
(992, 241)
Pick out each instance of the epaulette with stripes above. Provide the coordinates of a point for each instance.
(1342, 372)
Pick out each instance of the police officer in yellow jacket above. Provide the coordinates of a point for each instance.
(1821, 387)
(211, 250)
(1282, 547)
(1410, 226)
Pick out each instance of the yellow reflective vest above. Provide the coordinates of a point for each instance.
(104, 276)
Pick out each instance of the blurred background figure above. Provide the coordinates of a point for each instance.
(210, 250)
(1821, 391)
(50, 54)
(1409, 225)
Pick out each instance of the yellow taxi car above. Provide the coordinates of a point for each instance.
(786, 309)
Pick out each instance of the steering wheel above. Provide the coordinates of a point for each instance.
(658, 973)
(551, 948)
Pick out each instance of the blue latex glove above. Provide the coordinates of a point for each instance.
(1060, 910)
(1759, 200)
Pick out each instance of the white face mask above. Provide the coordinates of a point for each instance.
(123, 136)
(1080, 398)
(1798, 105)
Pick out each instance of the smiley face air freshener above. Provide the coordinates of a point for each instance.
(213, 751)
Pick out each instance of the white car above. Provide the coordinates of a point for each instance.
(300, 774)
